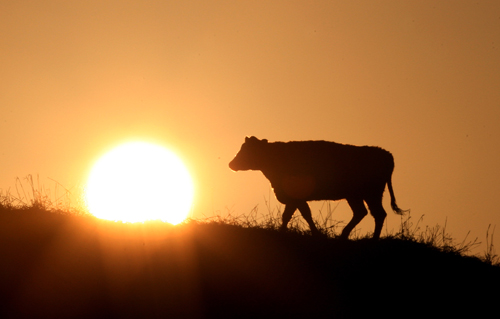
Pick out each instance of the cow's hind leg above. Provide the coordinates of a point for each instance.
(287, 215)
(305, 210)
(359, 212)
(378, 212)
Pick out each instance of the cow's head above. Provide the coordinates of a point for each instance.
(250, 156)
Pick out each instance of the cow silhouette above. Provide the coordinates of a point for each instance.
(302, 171)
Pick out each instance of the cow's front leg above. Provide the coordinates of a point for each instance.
(287, 215)
(305, 210)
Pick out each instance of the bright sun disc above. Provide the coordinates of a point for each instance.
(139, 181)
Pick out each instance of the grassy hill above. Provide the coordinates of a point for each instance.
(66, 266)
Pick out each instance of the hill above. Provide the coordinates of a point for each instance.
(66, 266)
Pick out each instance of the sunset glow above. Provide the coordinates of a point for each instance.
(418, 78)
(137, 182)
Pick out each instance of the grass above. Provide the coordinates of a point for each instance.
(58, 263)
(436, 236)
(31, 194)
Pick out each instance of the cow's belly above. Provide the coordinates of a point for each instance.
(329, 194)
(309, 191)
(308, 187)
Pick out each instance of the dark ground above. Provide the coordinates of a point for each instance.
(58, 266)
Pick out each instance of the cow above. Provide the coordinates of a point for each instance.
(302, 171)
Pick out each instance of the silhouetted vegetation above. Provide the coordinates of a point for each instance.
(63, 265)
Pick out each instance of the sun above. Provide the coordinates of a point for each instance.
(139, 181)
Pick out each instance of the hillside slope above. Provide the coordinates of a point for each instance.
(80, 267)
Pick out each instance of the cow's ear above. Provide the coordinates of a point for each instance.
(251, 139)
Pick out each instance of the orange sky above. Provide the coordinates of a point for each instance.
(419, 78)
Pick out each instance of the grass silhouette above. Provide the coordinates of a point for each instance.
(71, 265)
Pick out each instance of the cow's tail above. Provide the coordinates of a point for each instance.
(394, 206)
